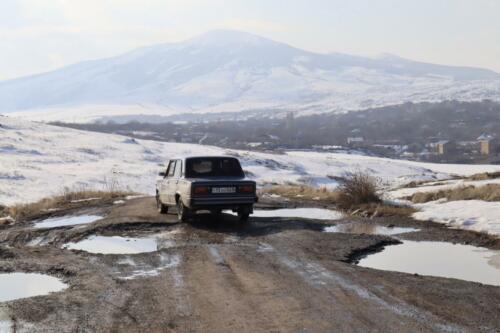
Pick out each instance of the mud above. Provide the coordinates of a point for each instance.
(219, 275)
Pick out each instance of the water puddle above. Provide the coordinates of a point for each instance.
(307, 213)
(114, 245)
(66, 221)
(441, 259)
(5, 321)
(22, 285)
(371, 229)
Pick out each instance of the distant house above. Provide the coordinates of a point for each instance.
(355, 140)
(444, 147)
(486, 144)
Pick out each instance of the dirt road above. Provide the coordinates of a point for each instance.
(218, 275)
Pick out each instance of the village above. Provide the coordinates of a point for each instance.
(418, 132)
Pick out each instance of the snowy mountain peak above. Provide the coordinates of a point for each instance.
(233, 71)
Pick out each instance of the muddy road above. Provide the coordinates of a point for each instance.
(215, 274)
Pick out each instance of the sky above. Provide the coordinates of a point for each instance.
(41, 35)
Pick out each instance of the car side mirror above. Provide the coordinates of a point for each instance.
(162, 174)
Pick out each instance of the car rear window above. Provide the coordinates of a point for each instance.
(213, 167)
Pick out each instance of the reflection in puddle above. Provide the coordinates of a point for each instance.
(21, 285)
(307, 213)
(114, 245)
(364, 228)
(66, 221)
(442, 259)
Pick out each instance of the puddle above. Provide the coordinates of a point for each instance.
(5, 321)
(307, 213)
(66, 221)
(21, 285)
(371, 229)
(114, 245)
(442, 259)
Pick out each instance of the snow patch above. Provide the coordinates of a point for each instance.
(475, 215)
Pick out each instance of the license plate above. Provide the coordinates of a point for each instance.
(224, 189)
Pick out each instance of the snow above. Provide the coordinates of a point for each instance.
(47, 159)
(228, 71)
(475, 215)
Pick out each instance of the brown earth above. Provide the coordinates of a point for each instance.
(215, 274)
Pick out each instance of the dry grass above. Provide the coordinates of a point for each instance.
(489, 192)
(303, 192)
(67, 199)
(484, 176)
(357, 195)
(358, 188)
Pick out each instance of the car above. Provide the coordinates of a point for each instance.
(213, 183)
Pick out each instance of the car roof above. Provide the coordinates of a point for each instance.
(201, 156)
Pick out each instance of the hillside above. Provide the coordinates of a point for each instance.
(228, 71)
(37, 160)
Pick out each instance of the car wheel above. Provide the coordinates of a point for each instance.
(182, 211)
(243, 216)
(162, 209)
(216, 212)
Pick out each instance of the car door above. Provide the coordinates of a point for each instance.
(175, 179)
(166, 186)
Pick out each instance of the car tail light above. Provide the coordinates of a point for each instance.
(201, 190)
(247, 189)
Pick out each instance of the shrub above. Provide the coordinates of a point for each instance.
(358, 188)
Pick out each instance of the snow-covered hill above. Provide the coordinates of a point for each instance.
(228, 71)
(37, 160)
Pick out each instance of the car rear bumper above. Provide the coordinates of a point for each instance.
(221, 201)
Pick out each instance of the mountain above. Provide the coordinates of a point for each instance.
(229, 71)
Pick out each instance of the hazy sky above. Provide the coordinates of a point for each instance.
(40, 35)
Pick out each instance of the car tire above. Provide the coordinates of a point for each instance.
(243, 216)
(216, 212)
(162, 209)
(182, 211)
